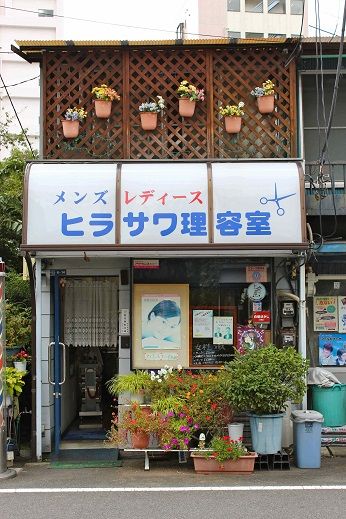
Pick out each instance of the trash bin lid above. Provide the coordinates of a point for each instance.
(306, 416)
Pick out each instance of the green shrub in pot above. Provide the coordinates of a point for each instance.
(137, 383)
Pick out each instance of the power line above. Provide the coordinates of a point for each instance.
(20, 82)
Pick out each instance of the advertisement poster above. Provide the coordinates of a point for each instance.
(223, 330)
(249, 337)
(202, 324)
(332, 349)
(161, 321)
(342, 314)
(256, 274)
(325, 314)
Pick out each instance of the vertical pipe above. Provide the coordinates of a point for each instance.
(38, 359)
(300, 118)
(302, 319)
(57, 399)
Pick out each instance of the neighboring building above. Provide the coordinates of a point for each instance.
(15, 24)
(246, 18)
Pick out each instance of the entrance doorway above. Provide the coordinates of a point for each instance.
(89, 331)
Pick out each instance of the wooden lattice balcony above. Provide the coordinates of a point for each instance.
(227, 73)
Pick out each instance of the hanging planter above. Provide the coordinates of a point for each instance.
(103, 97)
(188, 94)
(70, 125)
(148, 120)
(233, 116)
(265, 97)
(20, 365)
(149, 111)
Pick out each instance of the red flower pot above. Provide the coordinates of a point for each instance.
(70, 129)
(265, 104)
(232, 124)
(103, 108)
(186, 107)
(148, 120)
(140, 440)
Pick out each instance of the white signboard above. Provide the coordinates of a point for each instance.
(71, 204)
(256, 203)
(164, 204)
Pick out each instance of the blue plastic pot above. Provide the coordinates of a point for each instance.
(266, 433)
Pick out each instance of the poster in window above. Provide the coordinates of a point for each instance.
(325, 314)
(249, 338)
(342, 313)
(202, 324)
(332, 349)
(223, 330)
(160, 331)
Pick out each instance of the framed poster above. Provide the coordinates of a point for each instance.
(249, 338)
(160, 326)
(326, 314)
(216, 348)
(332, 349)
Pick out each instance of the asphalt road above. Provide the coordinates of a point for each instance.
(173, 491)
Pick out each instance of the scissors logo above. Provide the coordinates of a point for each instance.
(280, 210)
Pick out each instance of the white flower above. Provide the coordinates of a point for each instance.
(179, 367)
(159, 379)
(241, 104)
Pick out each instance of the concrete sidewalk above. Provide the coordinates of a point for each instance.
(167, 472)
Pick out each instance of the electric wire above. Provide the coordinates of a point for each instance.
(20, 82)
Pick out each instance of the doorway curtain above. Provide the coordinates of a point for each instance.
(90, 309)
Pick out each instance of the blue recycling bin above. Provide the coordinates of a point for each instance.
(307, 426)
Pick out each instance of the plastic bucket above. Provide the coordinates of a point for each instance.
(235, 431)
(331, 402)
(266, 433)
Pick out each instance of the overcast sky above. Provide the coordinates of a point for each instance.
(159, 14)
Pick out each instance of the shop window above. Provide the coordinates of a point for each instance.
(253, 6)
(297, 7)
(234, 34)
(277, 6)
(254, 35)
(233, 5)
(210, 307)
(276, 35)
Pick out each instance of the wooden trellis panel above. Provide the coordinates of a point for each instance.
(228, 74)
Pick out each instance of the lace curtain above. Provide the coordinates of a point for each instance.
(90, 308)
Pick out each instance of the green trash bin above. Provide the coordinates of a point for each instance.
(331, 402)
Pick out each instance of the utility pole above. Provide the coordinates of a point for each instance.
(5, 473)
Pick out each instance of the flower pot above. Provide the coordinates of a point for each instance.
(265, 104)
(20, 365)
(70, 129)
(140, 440)
(103, 108)
(243, 465)
(148, 120)
(232, 124)
(235, 431)
(146, 409)
(186, 107)
(266, 433)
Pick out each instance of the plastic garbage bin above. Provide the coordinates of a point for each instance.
(331, 402)
(307, 427)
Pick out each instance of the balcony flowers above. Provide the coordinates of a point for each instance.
(103, 98)
(188, 95)
(232, 115)
(148, 112)
(70, 124)
(265, 97)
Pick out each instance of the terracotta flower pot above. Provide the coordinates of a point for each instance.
(103, 108)
(265, 104)
(146, 409)
(70, 129)
(243, 465)
(148, 120)
(186, 107)
(232, 124)
(140, 440)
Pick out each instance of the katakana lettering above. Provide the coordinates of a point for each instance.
(179, 196)
(163, 199)
(146, 195)
(196, 199)
(128, 200)
(100, 195)
(102, 219)
(80, 199)
(60, 198)
(258, 223)
(140, 220)
(228, 223)
(66, 222)
(194, 224)
(166, 216)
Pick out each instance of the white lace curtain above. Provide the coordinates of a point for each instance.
(91, 311)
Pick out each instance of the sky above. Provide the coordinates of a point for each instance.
(162, 15)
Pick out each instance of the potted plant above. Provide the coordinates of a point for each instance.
(232, 115)
(137, 383)
(103, 97)
(224, 455)
(14, 383)
(20, 360)
(265, 97)
(70, 125)
(134, 422)
(262, 381)
(148, 113)
(188, 95)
